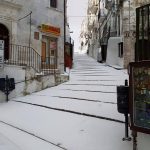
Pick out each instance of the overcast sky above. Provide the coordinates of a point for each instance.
(77, 10)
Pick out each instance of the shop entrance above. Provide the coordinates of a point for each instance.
(4, 35)
(49, 52)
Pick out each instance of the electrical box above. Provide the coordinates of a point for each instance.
(1, 53)
(139, 83)
(123, 99)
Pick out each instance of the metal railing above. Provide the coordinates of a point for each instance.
(27, 56)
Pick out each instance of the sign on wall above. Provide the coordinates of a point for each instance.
(36, 35)
(53, 45)
(139, 75)
(50, 29)
(1, 53)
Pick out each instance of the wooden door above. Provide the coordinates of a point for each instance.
(43, 51)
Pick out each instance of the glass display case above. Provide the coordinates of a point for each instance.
(139, 101)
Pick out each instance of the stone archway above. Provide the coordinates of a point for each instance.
(4, 35)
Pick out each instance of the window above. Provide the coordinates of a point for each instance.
(120, 49)
(53, 3)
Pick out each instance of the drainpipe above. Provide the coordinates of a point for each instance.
(129, 13)
(116, 15)
(30, 31)
(64, 31)
(99, 23)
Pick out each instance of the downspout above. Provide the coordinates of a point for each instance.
(129, 13)
(99, 24)
(116, 15)
(30, 31)
(64, 31)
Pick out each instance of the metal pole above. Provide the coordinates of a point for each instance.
(7, 87)
(126, 138)
(30, 40)
(134, 135)
(129, 14)
(126, 126)
(99, 25)
(64, 31)
(30, 31)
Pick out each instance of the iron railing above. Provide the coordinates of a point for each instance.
(27, 56)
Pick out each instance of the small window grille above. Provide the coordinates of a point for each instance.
(120, 49)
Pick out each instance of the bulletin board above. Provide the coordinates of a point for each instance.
(139, 98)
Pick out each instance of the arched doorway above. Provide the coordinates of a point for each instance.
(4, 35)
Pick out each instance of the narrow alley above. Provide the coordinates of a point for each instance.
(80, 114)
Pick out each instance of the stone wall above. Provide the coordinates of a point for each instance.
(129, 28)
(129, 50)
(129, 31)
(26, 81)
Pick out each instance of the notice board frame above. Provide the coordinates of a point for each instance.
(137, 102)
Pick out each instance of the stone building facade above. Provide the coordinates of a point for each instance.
(129, 28)
(34, 34)
(118, 31)
(112, 30)
(84, 36)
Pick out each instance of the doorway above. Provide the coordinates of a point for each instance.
(43, 51)
(4, 35)
(49, 52)
(53, 51)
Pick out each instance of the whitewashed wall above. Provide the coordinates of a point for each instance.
(26, 81)
(112, 52)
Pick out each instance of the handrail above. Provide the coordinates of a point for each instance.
(27, 56)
